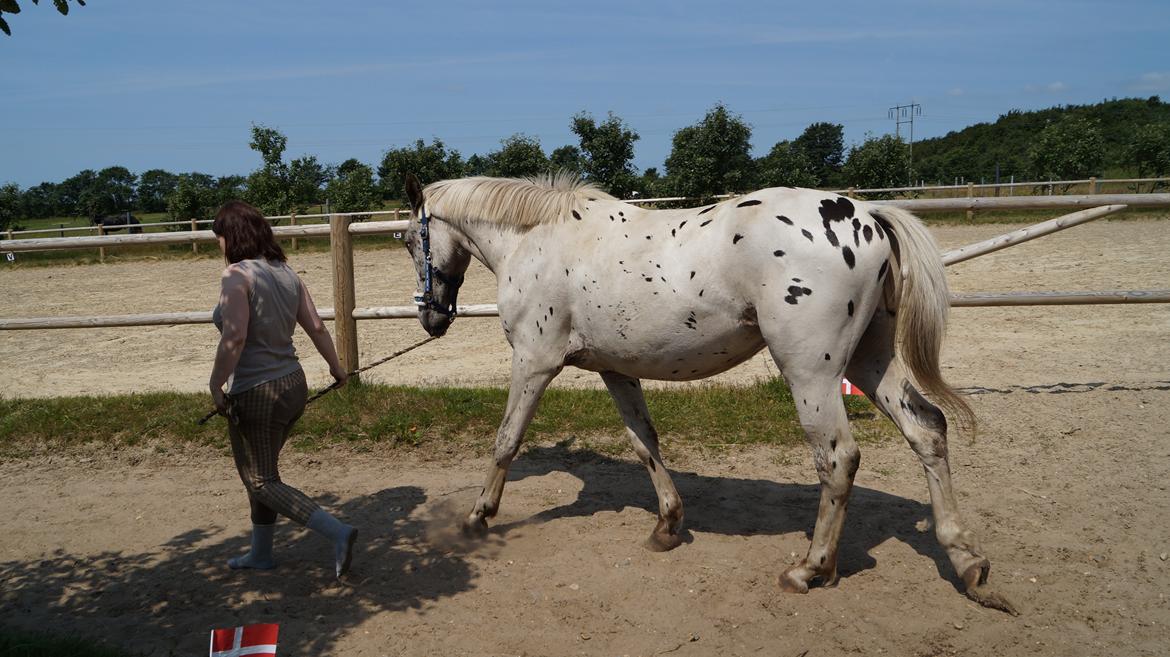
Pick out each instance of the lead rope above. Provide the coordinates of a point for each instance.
(333, 386)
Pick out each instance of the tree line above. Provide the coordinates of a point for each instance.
(712, 156)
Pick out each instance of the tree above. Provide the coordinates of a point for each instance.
(565, 158)
(306, 177)
(71, 190)
(11, 206)
(153, 188)
(13, 7)
(352, 188)
(1067, 149)
(477, 165)
(786, 166)
(42, 201)
(520, 156)
(877, 162)
(711, 157)
(823, 146)
(1149, 151)
(608, 151)
(429, 162)
(110, 191)
(196, 196)
(268, 187)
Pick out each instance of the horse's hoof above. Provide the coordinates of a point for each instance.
(790, 582)
(475, 527)
(975, 579)
(663, 542)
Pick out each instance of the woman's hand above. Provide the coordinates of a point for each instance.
(340, 376)
(218, 398)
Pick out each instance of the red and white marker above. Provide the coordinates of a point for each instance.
(258, 640)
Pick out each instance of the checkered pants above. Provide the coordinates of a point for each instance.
(265, 415)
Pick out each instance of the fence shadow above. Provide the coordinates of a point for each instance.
(166, 601)
(732, 506)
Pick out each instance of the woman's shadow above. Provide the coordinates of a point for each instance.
(732, 506)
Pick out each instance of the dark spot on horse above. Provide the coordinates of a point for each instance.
(867, 233)
(566, 272)
(509, 279)
(649, 279)
(822, 559)
(834, 465)
(621, 214)
(806, 291)
(882, 269)
(576, 215)
(796, 280)
(623, 220)
(856, 224)
(806, 234)
(706, 210)
(847, 253)
(851, 308)
(692, 275)
(737, 238)
(838, 209)
(550, 310)
(832, 237)
(704, 223)
(877, 227)
(778, 253)
(647, 237)
(681, 225)
(827, 357)
(749, 203)
(611, 217)
(672, 232)
(700, 292)
(833, 501)
(833, 444)
(784, 219)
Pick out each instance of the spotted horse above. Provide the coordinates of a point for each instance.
(832, 287)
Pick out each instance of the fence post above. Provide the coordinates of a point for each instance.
(292, 221)
(850, 192)
(194, 244)
(970, 194)
(344, 325)
(1092, 184)
(101, 249)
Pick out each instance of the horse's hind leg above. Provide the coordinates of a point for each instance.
(529, 379)
(627, 395)
(880, 374)
(816, 390)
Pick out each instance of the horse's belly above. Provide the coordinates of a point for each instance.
(672, 357)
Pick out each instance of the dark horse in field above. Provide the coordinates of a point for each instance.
(115, 222)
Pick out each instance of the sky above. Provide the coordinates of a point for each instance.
(177, 85)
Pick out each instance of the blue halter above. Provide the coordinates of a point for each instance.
(427, 298)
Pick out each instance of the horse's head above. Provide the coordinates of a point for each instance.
(439, 262)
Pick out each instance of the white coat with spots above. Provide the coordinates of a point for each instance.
(830, 286)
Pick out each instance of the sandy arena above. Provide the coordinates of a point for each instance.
(1066, 487)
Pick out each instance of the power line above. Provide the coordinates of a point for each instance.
(905, 114)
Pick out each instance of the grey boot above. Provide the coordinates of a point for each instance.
(260, 556)
(342, 535)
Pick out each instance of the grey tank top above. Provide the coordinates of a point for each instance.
(268, 351)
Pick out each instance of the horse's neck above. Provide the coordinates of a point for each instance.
(489, 243)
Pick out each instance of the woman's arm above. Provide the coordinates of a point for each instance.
(311, 322)
(236, 311)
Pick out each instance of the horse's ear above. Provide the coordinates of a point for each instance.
(414, 192)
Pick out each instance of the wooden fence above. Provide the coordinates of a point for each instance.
(341, 231)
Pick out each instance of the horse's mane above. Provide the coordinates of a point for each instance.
(515, 202)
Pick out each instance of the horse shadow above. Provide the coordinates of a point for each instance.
(165, 601)
(716, 505)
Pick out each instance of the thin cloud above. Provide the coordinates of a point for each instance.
(1050, 88)
(1155, 81)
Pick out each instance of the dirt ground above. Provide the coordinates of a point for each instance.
(1065, 485)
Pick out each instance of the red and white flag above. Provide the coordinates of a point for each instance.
(850, 390)
(247, 640)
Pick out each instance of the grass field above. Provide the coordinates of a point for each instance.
(364, 416)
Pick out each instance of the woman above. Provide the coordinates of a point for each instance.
(261, 301)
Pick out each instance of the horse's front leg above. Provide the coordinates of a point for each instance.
(531, 374)
(631, 403)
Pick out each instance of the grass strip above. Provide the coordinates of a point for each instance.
(707, 416)
(15, 643)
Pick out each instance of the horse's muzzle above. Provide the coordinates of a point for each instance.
(434, 323)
